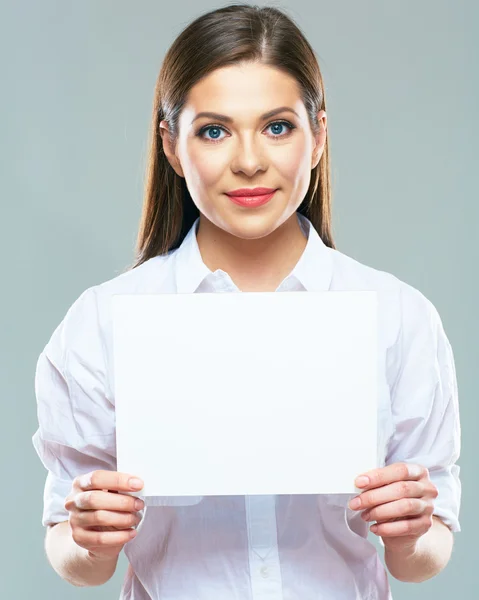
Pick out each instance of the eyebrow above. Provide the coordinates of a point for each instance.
(227, 119)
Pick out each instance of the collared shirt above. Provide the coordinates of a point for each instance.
(282, 547)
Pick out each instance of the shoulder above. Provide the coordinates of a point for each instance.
(149, 277)
(349, 273)
(409, 326)
(85, 320)
(403, 308)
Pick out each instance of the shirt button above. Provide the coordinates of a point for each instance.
(264, 572)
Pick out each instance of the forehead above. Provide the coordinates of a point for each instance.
(242, 90)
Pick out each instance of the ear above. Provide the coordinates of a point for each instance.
(320, 139)
(168, 148)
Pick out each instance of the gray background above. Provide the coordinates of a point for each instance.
(77, 83)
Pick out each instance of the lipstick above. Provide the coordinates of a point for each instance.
(251, 198)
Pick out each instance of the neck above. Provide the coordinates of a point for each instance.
(254, 265)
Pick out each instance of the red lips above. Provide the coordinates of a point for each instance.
(258, 191)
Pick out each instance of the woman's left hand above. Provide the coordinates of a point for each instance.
(400, 498)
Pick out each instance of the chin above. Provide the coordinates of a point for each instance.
(251, 226)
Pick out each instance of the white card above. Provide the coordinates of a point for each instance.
(246, 393)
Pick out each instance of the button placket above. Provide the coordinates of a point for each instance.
(265, 569)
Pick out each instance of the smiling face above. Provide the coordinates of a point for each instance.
(216, 156)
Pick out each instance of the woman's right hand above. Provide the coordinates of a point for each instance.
(101, 517)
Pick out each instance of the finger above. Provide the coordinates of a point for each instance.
(106, 518)
(388, 493)
(111, 480)
(99, 500)
(390, 474)
(397, 509)
(101, 539)
(416, 526)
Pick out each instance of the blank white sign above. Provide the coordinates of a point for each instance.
(246, 393)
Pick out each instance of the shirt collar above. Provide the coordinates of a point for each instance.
(313, 270)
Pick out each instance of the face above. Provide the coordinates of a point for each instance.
(216, 156)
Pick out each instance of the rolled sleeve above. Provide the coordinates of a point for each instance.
(76, 418)
(424, 401)
(54, 494)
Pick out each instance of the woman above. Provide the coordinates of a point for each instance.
(239, 103)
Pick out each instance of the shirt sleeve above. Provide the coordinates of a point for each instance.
(424, 400)
(76, 418)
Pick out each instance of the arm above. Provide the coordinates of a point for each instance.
(425, 411)
(76, 432)
(415, 498)
(73, 563)
(428, 558)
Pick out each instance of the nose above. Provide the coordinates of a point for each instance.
(248, 157)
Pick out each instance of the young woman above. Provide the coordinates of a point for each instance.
(238, 199)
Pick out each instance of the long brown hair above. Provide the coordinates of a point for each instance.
(236, 33)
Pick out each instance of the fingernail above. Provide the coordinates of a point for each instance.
(355, 503)
(135, 483)
(138, 504)
(414, 470)
(362, 481)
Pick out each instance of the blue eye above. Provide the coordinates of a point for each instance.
(279, 124)
(217, 128)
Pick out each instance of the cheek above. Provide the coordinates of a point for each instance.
(294, 166)
(205, 167)
(204, 173)
(293, 157)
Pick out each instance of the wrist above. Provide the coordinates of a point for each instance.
(400, 547)
(99, 558)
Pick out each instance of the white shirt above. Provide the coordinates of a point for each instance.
(282, 547)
